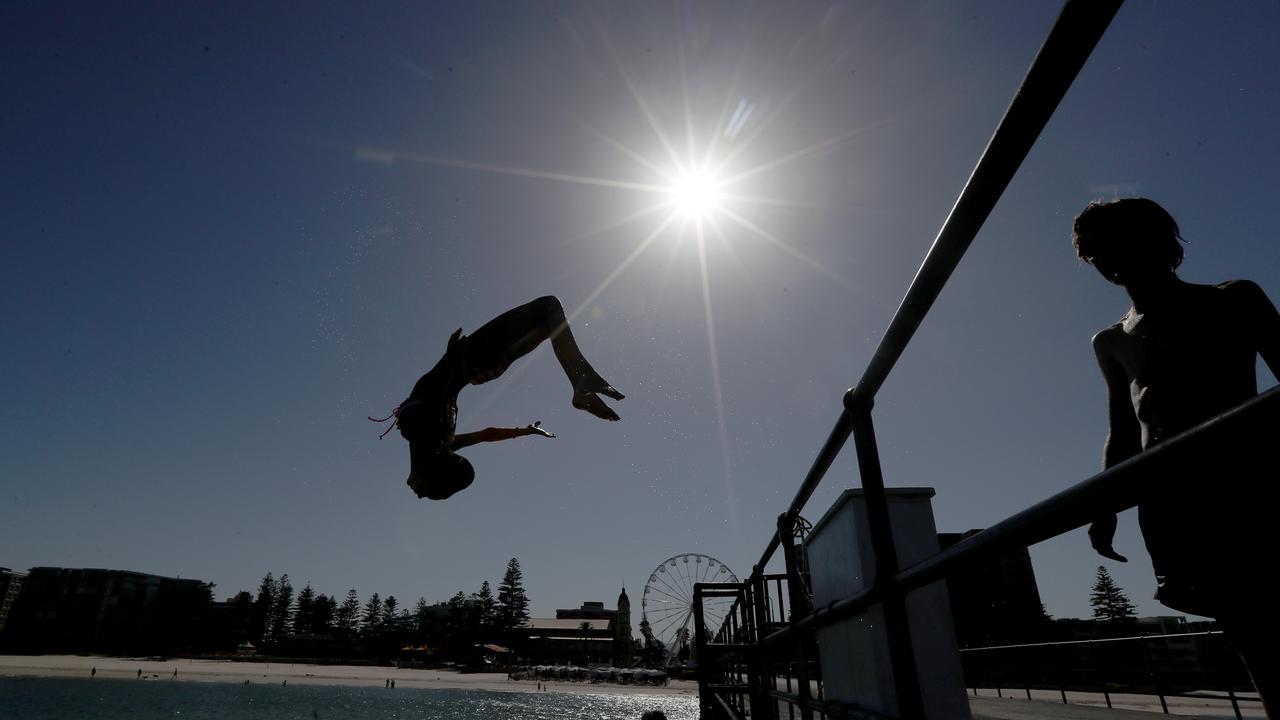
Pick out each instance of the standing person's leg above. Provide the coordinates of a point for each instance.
(489, 351)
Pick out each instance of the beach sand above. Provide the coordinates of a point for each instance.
(230, 671)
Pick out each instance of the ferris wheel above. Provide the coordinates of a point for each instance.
(667, 602)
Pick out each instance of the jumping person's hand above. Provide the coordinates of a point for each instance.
(535, 428)
(1101, 533)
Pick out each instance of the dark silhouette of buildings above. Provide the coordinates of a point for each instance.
(67, 610)
(995, 601)
(10, 585)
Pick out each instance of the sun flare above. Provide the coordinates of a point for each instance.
(696, 193)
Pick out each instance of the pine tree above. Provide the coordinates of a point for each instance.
(513, 604)
(304, 610)
(389, 608)
(486, 606)
(1109, 602)
(325, 610)
(458, 610)
(373, 612)
(263, 605)
(283, 604)
(348, 613)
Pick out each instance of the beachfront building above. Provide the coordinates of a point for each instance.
(10, 585)
(591, 633)
(569, 640)
(91, 610)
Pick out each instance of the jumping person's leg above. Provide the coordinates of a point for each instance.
(489, 351)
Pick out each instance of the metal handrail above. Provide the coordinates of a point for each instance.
(1104, 678)
(1114, 489)
(1074, 35)
(1094, 641)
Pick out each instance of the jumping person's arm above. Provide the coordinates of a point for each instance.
(1124, 438)
(495, 434)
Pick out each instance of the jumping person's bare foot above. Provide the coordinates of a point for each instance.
(592, 403)
(586, 391)
(596, 384)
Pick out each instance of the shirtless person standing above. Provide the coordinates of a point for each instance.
(427, 419)
(1181, 355)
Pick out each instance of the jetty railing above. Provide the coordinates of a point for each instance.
(1190, 664)
(763, 657)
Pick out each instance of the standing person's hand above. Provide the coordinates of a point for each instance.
(1101, 533)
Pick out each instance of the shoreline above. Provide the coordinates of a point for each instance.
(233, 671)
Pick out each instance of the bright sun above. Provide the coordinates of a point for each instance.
(695, 193)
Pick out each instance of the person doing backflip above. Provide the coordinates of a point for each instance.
(427, 419)
(1181, 355)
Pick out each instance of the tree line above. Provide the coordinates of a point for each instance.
(276, 612)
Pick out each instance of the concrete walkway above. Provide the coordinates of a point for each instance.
(1014, 709)
(1127, 707)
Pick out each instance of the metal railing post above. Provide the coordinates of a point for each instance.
(902, 656)
(1155, 676)
(705, 701)
(798, 604)
(765, 708)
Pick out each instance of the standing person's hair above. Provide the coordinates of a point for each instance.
(1129, 227)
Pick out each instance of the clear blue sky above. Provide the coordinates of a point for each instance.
(232, 231)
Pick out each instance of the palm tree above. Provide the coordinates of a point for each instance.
(584, 629)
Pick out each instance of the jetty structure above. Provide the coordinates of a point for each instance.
(858, 624)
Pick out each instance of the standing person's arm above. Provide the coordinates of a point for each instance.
(1124, 437)
(1263, 322)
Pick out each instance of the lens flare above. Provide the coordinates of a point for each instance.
(696, 193)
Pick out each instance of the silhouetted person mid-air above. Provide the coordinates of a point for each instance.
(428, 417)
(1183, 354)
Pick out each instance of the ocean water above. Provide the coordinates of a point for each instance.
(63, 698)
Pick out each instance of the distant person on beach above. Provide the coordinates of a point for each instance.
(427, 419)
(1181, 355)
(93, 672)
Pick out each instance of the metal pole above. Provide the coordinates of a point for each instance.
(1070, 42)
(766, 709)
(1155, 676)
(704, 667)
(795, 591)
(902, 656)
